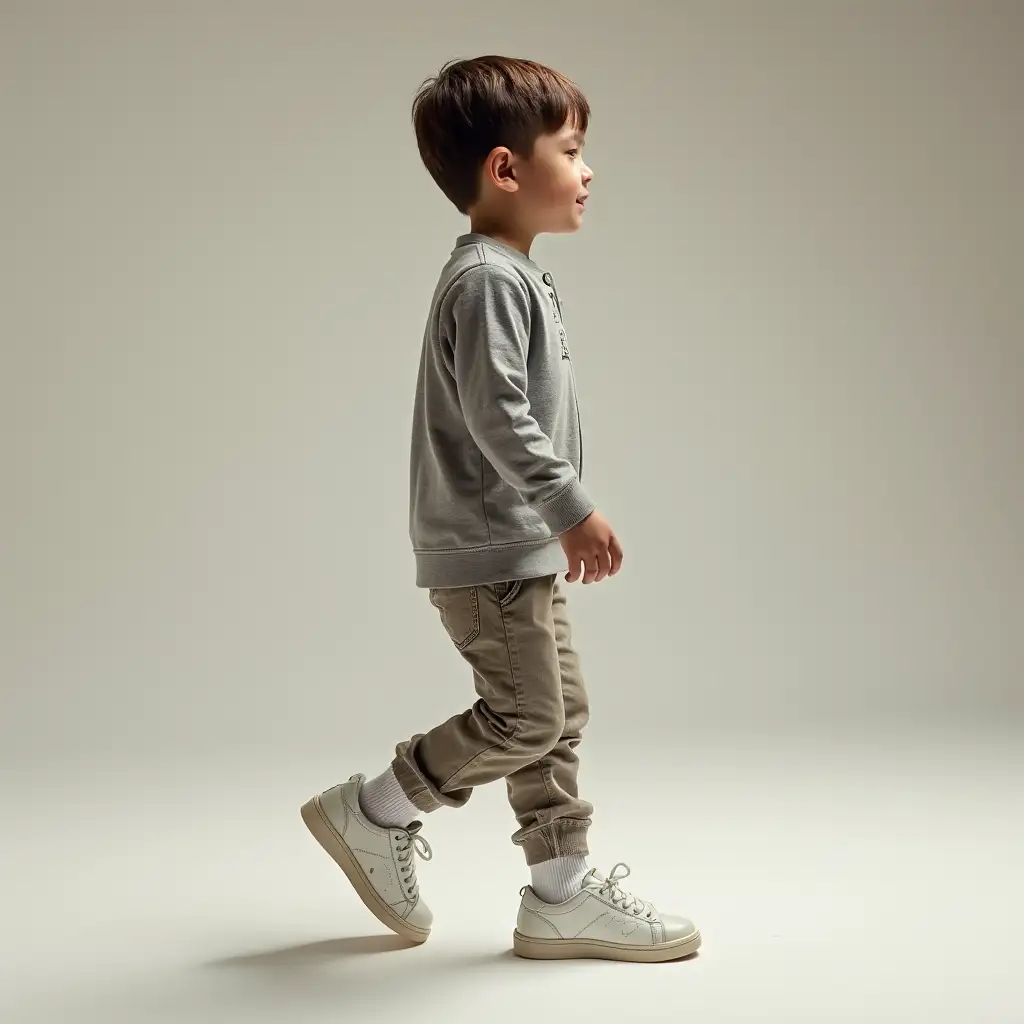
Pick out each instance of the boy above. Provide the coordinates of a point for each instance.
(497, 512)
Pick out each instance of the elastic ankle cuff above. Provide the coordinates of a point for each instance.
(415, 787)
(565, 837)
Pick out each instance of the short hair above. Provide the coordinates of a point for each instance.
(472, 106)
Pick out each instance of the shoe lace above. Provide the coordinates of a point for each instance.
(627, 901)
(410, 845)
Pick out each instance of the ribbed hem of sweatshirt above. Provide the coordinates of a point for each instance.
(476, 567)
(498, 563)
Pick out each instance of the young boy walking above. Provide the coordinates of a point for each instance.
(498, 511)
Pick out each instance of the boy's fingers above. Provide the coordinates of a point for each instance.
(615, 550)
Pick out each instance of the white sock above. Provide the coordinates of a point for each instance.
(384, 802)
(558, 880)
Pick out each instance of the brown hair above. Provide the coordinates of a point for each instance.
(471, 106)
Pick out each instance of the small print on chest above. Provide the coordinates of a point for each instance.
(561, 326)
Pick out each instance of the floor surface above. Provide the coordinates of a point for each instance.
(833, 880)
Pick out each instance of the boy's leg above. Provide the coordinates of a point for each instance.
(515, 637)
(571, 911)
(545, 794)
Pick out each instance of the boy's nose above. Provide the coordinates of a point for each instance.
(588, 174)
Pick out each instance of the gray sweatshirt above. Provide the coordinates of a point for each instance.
(497, 452)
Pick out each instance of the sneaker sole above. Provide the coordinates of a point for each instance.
(326, 835)
(595, 949)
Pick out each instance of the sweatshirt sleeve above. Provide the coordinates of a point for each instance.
(491, 313)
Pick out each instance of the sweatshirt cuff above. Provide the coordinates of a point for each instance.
(568, 508)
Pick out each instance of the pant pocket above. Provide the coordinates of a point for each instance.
(506, 592)
(459, 608)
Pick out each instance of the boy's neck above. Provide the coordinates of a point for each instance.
(517, 240)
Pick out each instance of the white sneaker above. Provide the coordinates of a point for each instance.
(379, 862)
(601, 922)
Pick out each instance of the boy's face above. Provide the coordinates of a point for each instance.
(553, 182)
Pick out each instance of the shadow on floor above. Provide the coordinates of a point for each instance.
(328, 951)
(309, 953)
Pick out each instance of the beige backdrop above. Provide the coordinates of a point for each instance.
(796, 307)
(796, 313)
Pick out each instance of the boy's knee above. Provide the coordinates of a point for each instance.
(541, 737)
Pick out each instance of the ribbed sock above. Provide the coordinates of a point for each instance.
(384, 802)
(558, 880)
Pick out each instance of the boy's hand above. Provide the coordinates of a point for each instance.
(593, 545)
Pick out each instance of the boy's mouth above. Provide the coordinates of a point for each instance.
(581, 200)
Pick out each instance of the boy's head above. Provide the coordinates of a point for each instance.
(503, 138)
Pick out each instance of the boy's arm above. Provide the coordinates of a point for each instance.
(491, 312)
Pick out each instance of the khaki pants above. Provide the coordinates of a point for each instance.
(528, 720)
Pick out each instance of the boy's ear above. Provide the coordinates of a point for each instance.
(500, 169)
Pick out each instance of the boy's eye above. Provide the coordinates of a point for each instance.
(573, 152)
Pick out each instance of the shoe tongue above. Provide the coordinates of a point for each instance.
(593, 879)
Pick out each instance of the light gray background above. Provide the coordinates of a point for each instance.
(796, 311)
